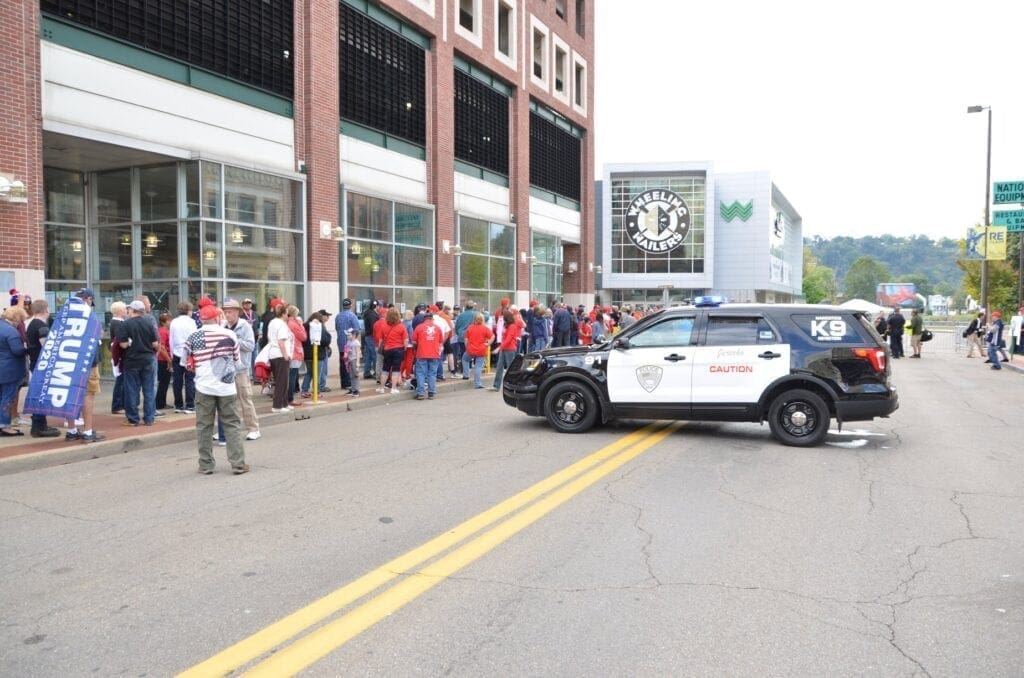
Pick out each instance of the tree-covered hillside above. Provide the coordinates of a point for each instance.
(901, 256)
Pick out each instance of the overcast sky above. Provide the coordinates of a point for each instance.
(857, 109)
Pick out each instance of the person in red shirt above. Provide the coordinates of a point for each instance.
(478, 342)
(164, 367)
(393, 338)
(509, 346)
(428, 339)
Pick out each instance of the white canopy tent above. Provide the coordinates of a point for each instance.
(862, 305)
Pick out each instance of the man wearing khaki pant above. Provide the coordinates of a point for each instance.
(243, 382)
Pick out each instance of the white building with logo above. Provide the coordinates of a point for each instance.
(667, 232)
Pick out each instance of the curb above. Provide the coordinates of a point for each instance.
(108, 448)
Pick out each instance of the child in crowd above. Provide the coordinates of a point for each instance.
(352, 355)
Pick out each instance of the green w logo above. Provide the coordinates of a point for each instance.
(734, 210)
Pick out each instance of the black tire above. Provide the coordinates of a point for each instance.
(570, 407)
(799, 418)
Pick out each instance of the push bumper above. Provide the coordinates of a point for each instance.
(866, 410)
(521, 396)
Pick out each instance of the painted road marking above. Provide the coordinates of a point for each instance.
(279, 632)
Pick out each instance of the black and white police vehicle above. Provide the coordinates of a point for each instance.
(794, 366)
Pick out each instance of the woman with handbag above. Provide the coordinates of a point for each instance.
(13, 367)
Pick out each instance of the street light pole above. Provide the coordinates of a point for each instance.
(988, 189)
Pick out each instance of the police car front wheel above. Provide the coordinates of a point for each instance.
(570, 407)
(799, 418)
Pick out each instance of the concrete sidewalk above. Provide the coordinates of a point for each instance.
(24, 452)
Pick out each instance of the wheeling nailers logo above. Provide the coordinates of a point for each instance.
(657, 221)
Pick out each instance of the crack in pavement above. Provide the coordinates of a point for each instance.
(648, 536)
(740, 500)
(38, 509)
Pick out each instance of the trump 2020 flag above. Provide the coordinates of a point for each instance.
(57, 386)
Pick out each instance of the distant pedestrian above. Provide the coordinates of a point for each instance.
(282, 345)
(428, 340)
(509, 345)
(916, 329)
(92, 389)
(896, 325)
(973, 334)
(882, 325)
(353, 351)
(561, 326)
(36, 332)
(393, 345)
(139, 340)
(345, 322)
(215, 357)
(182, 382)
(12, 366)
(994, 340)
(478, 344)
(164, 361)
(243, 381)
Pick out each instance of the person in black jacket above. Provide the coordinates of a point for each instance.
(370, 318)
(896, 323)
(323, 353)
(975, 330)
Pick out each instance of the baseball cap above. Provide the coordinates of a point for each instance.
(277, 301)
(346, 302)
(85, 293)
(205, 301)
(209, 312)
(137, 306)
(246, 301)
(997, 314)
(433, 308)
(323, 311)
(231, 303)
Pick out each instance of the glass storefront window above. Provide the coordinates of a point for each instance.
(369, 217)
(158, 192)
(547, 269)
(211, 190)
(113, 197)
(65, 253)
(371, 266)
(65, 196)
(256, 198)
(190, 171)
(414, 225)
(414, 267)
(112, 250)
(161, 260)
(270, 254)
(487, 265)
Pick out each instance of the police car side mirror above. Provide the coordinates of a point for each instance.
(621, 342)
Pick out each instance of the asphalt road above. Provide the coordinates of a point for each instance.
(413, 539)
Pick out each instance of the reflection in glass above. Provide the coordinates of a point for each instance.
(503, 240)
(192, 192)
(65, 196)
(502, 274)
(373, 266)
(163, 296)
(473, 235)
(111, 259)
(369, 217)
(158, 191)
(113, 196)
(474, 271)
(161, 241)
(414, 225)
(414, 266)
(269, 255)
(408, 297)
(256, 198)
(211, 189)
(65, 255)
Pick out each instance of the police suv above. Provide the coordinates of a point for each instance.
(794, 366)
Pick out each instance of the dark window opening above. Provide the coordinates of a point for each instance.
(581, 17)
(466, 14)
(581, 85)
(246, 40)
(481, 124)
(539, 47)
(504, 29)
(560, 8)
(382, 78)
(554, 158)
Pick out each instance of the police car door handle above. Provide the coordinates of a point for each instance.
(675, 357)
(768, 355)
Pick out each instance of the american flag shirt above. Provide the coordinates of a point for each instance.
(214, 350)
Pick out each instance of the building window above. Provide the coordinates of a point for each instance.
(506, 29)
(539, 49)
(688, 257)
(579, 89)
(487, 266)
(382, 77)
(466, 14)
(244, 40)
(561, 70)
(554, 157)
(560, 8)
(581, 18)
(481, 124)
(547, 268)
(470, 21)
(389, 254)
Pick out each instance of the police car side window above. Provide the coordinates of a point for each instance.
(739, 331)
(671, 332)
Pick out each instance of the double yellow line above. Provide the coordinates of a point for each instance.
(535, 502)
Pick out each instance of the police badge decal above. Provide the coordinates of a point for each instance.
(657, 221)
(649, 377)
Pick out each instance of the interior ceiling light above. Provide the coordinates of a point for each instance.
(76, 245)
(152, 242)
(211, 255)
(237, 236)
(126, 239)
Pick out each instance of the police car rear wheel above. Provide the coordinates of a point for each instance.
(799, 418)
(570, 407)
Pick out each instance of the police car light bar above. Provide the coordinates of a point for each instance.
(709, 301)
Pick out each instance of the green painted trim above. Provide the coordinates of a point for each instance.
(555, 118)
(390, 21)
(554, 198)
(469, 169)
(120, 52)
(483, 75)
(378, 138)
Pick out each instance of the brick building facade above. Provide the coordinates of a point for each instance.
(311, 150)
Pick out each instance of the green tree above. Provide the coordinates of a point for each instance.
(863, 278)
(1002, 281)
(819, 281)
(945, 289)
